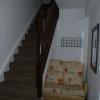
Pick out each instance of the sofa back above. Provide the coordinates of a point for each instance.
(73, 73)
(65, 73)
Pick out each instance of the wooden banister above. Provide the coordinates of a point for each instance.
(46, 21)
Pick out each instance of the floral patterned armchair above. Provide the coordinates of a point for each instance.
(64, 81)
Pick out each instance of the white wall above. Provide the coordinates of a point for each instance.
(69, 4)
(71, 23)
(14, 17)
(93, 12)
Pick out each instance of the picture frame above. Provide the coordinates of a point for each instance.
(94, 48)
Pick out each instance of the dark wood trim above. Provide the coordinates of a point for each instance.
(46, 21)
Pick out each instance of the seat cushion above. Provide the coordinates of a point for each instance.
(52, 89)
(73, 73)
(63, 90)
(55, 72)
(73, 91)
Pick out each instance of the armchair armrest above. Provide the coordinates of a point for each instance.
(86, 87)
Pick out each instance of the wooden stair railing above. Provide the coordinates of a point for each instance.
(46, 21)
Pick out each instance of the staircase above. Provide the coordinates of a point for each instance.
(20, 81)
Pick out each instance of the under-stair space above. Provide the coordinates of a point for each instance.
(20, 81)
(70, 44)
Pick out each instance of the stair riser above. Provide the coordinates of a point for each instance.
(13, 84)
(26, 50)
(25, 64)
(21, 70)
(22, 58)
(19, 75)
(19, 93)
(21, 81)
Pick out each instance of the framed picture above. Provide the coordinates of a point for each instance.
(94, 48)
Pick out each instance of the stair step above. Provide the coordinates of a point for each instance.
(21, 86)
(24, 64)
(31, 29)
(5, 97)
(29, 48)
(18, 65)
(26, 50)
(24, 58)
(28, 45)
(28, 42)
(26, 54)
(21, 80)
(12, 91)
(22, 69)
(31, 34)
(30, 38)
(18, 74)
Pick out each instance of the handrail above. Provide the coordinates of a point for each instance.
(46, 21)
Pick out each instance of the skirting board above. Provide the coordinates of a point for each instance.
(5, 66)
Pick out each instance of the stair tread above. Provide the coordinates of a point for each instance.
(30, 38)
(28, 43)
(31, 34)
(26, 50)
(18, 63)
(9, 97)
(26, 69)
(30, 74)
(20, 77)
(5, 87)
(30, 58)
(15, 92)
(22, 82)
(21, 86)
(25, 55)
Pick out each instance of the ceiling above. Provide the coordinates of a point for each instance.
(71, 4)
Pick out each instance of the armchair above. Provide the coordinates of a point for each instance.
(64, 81)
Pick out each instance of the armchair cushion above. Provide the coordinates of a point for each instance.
(64, 81)
(64, 90)
(73, 73)
(52, 89)
(55, 72)
(73, 91)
